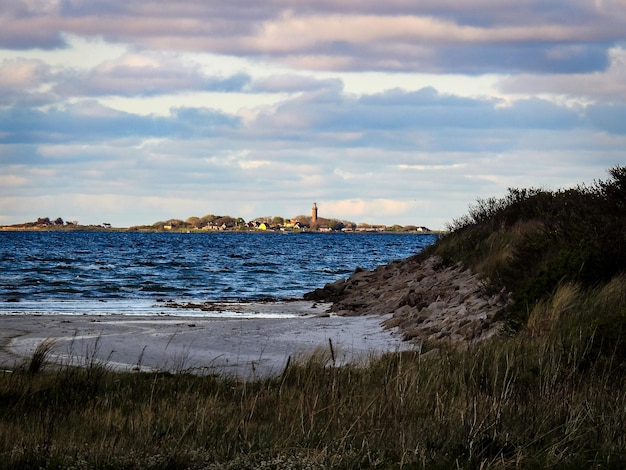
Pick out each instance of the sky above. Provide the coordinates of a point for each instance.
(398, 112)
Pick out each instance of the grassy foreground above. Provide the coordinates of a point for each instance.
(551, 396)
(552, 393)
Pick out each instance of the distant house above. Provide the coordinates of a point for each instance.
(214, 226)
(293, 224)
(105, 224)
(422, 229)
(173, 223)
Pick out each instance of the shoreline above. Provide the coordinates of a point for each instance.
(242, 347)
(86, 228)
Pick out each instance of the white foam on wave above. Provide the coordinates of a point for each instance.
(151, 308)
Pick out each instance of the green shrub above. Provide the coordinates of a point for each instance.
(531, 240)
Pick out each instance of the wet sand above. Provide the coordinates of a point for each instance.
(245, 347)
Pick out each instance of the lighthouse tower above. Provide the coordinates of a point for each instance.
(314, 214)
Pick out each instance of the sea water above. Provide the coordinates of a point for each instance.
(143, 273)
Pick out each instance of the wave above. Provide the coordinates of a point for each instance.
(147, 266)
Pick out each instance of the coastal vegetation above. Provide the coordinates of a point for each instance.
(532, 241)
(549, 392)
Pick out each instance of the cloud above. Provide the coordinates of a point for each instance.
(409, 115)
(20, 74)
(367, 210)
(446, 37)
(392, 122)
(22, 80)
(12, 180)
(608, 84)
(89, 121)
(290, 83)
(610, 118)
(146, 74)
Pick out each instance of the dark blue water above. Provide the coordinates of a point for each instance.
(81, 271)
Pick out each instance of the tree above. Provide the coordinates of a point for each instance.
(335, 224)
(303, 219)
(226, 220)
(208, 219)
(194, 222)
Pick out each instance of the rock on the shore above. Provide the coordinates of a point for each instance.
(429, 301)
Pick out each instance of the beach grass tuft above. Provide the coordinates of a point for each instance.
(41, 355)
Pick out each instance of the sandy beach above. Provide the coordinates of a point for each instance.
(242, 345)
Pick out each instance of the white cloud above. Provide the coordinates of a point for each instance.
(371, 210)
(454, 166)
(609, 84)
(22, 73)
(10, 180)
(253, 164)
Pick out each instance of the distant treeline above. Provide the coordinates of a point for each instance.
(213, 222)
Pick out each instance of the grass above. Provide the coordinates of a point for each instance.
(40, 356)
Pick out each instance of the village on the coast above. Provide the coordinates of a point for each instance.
(301, 223)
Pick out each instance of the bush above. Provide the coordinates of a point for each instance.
(531, 240)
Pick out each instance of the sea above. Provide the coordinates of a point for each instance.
(103, 273)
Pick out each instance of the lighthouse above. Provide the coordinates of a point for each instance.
(314, 214)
